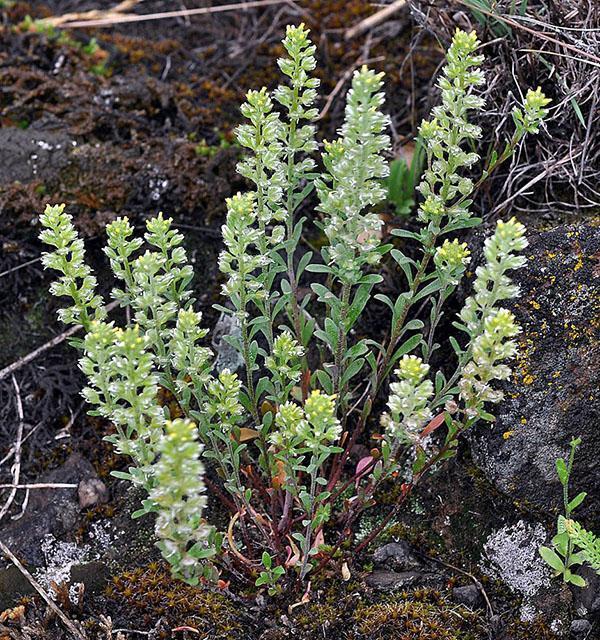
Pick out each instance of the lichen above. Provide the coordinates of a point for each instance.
(511, 555)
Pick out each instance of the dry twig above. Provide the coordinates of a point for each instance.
(374, 20)
(109, 18)
(16, 467)
(41, 485)
(73, 630)
(118, 10)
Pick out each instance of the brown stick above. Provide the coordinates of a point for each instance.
(41, 485)
(122, 18)
(126, 5)
(16, 468)
(68, 624)
(374, 20)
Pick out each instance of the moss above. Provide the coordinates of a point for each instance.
(536, 630)
(345, 610)
(422, 615)
(149, 593)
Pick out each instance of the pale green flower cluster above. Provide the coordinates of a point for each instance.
(533, 112)
(223, 406)
(122, 386)
(68, 258)
(491, 329)
(492, 284)
(298, 98)
(179, 497)
(409, 401)
(449, 130)
(284, 365)
(240, 260)
(355, 166)
(309, 427)
(264, 166)
(191, 363)
(451, 260)
(489, 349)
(156, 282)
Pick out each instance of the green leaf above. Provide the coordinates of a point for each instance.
(406, 347)
(577, 500)
(432, 287)
(361, 298)
(403, 233)
(578, 581)
(561, 543)
(562, 471)
(551, 558)
(319, 268)
(324, 380)
(352, 370)
(303, 263)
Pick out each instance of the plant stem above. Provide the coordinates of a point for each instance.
(340, 351)
(309, 527)
(290, 249)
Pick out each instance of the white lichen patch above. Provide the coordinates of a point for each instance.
(511, 555)
(60, 557)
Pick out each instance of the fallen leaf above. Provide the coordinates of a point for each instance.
(345, 572)
(16, 614)
(247, 434)
(280, 476)
(434, 424)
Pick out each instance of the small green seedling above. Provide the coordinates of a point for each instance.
(270, 576)
(563, 557)
(403, 180)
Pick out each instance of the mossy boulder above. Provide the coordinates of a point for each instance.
(554, 393)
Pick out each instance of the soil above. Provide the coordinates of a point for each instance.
(144, 124)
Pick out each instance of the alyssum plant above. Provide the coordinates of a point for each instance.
(280, 437)
(572, 546)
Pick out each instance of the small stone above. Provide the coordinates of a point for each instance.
(469, 596)
(91, 492)
(399, 556)
(383, 580)
(580, 629)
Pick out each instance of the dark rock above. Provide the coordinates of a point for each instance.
(553, 395)
(50, 511)
(30, 154)
(53, 511)
(91, 492)
(92, 574)
(469, 595)
(580, 629)
(13, 584)
(384, 580)
(587, 599)
(398, 556)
